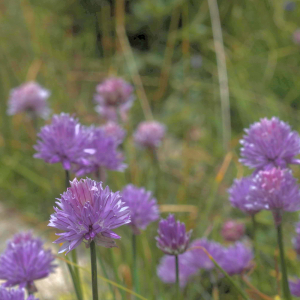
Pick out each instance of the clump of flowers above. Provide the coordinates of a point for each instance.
(115, 131)
(65, 140)
(172, 237)
(88, 212)
(103, 153)
(31, 98)
(24, 261)
(277, 190)
(295, 287)
(149, 134)
(232, 231)
(237, 259)
(143, 208)
(166, 269)
(239, 196)
(114, 96)
(14, 294)
(270, 143)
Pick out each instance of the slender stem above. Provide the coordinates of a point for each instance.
(177, 276)
(73, 276)
(113, 263)
(94, 271)
(285, 284)
(135, 273)
(67, 179)
(254, 235)
(76, 272)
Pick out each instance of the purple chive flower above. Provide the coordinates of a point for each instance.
(296, 239)
(166, 269)
(87, 211)
(295, 287)
(112, 96)
(277, 190)
(239, 196)
(115, 131)
(172, 237)
(64, 140)
(24, 261)
(31, 98)
(289, 5)
(200, 258)
(103, 153)
(296, 36)
(232, 231)
(143, 208)
(14, 294)
(149, 134)
(270, 143)
(237, 259)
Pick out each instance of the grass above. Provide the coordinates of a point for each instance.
(150, 43)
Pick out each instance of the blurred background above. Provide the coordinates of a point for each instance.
(172, 53)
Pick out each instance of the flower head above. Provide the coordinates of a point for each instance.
(166, 269)
(172, 237)
(232, 230)
(87, 211)
(29, 97)
(239, 196)
(103, 153)
(289, 5)
(200, 258)
(270, 143)
(115, 131)
(277, 190)
(236, 259)
(296, 239)
(14, 294)
(149, 134)
(64, 140)
(143, 208)
(112, 96)
(295, 287)
(24, 261)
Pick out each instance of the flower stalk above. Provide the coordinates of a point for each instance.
(94, 270)
(177, 276)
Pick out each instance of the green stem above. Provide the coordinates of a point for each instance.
(94, 271)
(285, 284)
(135, 273)
(177, 276)
(73, 276)
(117, 278)
(67, 179)
(76, 272)
(254, 237)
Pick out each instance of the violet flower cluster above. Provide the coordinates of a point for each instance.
(31, 98)
(24, 261)
(88, 212)
(295, 287)
(232, 231)
(143, 208)
(14, 294)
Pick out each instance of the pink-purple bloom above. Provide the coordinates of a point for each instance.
(277, 190)
(102, 153)
(24, 261)
(232, 230)
(296, 239)
(166, 269)
(88, 212)
(295, 287)
(115, 131)
(143, 208)
(270, 143)
(237, 259)
(14, 294)
(172, 237)
(31, 98)
(239, 196)
(114, 96)
(64, 140)
(149, 134)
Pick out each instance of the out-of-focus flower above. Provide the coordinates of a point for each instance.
(172, 237)
(88, 212)
(65, 140)
(296, 239)
(295, 287)
(239, 196)
(149, 134)
(236, 259)
(277, 190)
(113, 96)
(115, 131)
(199, 258)
(31, 98)
(14, 294)
(296, 36)
(143, 208)
(289, 5)
(270, 143)
(24, 261)
(166, 269)
(103, 153)
(232, 230)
